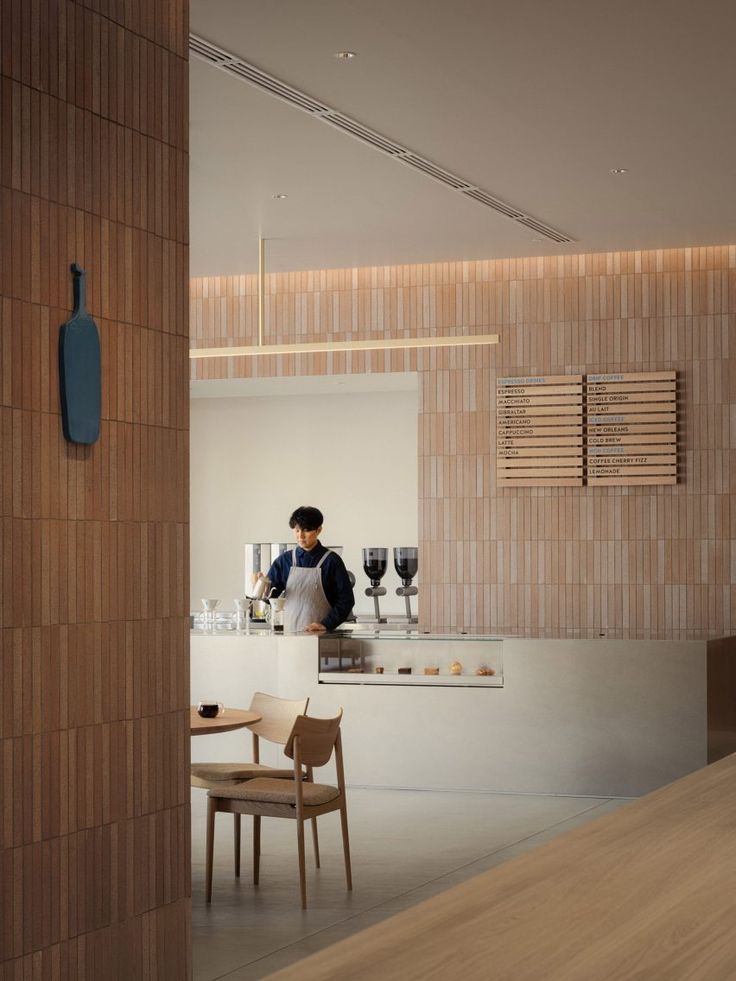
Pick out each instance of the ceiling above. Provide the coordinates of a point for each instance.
(532, 100)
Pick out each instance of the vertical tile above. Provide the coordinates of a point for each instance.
(603, 559)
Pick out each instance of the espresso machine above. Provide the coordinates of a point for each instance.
(375, 563)
(257, 559)
(406, 563)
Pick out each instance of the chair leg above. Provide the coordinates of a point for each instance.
(315, 839)
(256, 848)
(302, 871)
(236, 843)
(210, 849)
(346, 844)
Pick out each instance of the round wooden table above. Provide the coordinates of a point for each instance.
(226, 721)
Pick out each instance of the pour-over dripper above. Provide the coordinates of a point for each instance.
(210, 605)
(242, 604)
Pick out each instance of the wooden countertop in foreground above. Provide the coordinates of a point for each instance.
(647, 893)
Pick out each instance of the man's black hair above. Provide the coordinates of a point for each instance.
(309, 519)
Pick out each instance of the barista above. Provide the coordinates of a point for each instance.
(313, 578)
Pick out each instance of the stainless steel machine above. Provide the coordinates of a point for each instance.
(258, 558)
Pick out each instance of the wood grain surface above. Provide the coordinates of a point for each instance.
(94, 746)
(226, 721)
(645, 893)
(622, 559)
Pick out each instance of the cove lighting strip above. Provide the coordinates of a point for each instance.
(392, 344)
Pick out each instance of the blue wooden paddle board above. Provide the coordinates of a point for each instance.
(79, 370)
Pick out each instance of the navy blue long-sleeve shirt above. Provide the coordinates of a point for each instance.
(335, 582)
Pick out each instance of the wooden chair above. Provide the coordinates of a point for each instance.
(277, 721)
(310, 744)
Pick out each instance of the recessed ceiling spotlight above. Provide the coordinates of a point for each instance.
(345, 55)
(618, 170)
(279, 197)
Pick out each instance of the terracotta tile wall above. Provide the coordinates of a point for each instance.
(94, 797)
(619, 561)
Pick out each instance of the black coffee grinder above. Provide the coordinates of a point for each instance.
(406, 563)
(375, 563)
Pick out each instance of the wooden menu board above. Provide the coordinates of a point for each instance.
(614, 429)
(539, 431)
(632, 428)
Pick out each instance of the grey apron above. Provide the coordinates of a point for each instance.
(305, 597)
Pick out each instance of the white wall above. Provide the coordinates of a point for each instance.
(255, 459)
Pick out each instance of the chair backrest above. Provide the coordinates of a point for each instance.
(277, 716)
(317, 738)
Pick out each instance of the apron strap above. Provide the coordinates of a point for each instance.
(319, 564)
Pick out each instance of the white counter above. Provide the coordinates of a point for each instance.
(581, 717)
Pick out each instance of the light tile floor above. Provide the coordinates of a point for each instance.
(406, 846)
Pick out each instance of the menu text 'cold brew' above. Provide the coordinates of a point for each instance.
(566, 430)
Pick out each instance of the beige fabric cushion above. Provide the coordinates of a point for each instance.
(207, 775)
(273, 791)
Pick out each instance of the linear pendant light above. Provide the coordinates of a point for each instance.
(397, 343)
(320, 347)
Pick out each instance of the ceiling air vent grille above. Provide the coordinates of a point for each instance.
(488, 199)
(361, 132)
(432, 170)
(273, 86)
(242, 70)
(203, 49)
(542, 229)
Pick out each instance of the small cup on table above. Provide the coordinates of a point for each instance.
(209, 709)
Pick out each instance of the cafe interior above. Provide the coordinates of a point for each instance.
(462, 278)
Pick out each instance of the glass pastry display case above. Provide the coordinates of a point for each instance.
(407, 657)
